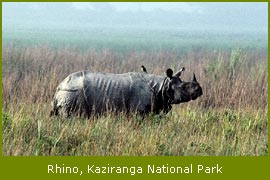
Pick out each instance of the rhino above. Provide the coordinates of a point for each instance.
(90, 93)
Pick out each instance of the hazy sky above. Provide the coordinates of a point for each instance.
(180, 7)
(232, 16)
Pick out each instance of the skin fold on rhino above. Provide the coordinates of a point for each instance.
(88, 93)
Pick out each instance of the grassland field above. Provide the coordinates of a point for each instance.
(230, 119)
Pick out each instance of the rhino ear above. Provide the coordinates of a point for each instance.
(194, 78)
(169, 73)
(178, 74)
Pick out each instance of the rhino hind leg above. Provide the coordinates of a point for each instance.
(55, 108)
(69, 102)
(54, 112)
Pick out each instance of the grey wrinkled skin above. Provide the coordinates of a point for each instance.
(88, 93)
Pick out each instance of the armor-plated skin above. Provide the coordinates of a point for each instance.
(89, 93)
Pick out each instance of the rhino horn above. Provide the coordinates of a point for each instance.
(178, 74)
(194, 78)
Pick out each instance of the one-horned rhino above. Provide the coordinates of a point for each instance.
(88, 93)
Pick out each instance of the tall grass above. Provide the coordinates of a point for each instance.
(229, 119)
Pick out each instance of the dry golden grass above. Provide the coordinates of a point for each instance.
(229, 119)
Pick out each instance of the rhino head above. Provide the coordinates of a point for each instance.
(177, 91)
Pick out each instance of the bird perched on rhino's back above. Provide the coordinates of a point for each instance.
(89, 93)
(143, 69)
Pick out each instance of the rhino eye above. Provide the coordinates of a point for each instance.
(181, 87)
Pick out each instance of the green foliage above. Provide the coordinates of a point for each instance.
(6, 121)
(235, 59)
(187, 132)
(220, 67)
(235, 62)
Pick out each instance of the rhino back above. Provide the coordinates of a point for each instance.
(73, 81)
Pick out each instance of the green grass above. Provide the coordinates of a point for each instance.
(185, 131)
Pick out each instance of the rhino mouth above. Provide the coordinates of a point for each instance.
(192, 96)
(197, 94)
